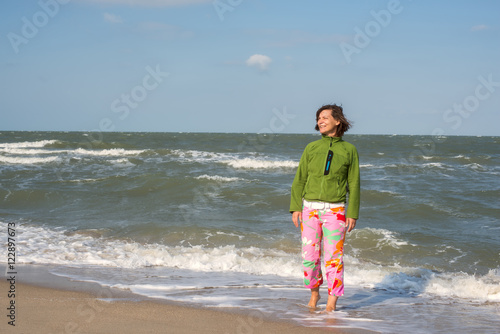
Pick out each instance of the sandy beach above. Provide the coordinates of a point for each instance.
(48, 310)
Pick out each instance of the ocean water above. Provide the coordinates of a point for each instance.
(203, 219)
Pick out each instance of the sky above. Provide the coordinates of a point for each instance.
(396, 67)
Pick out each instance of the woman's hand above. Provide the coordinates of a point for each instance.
(296, 217)
(351, 223)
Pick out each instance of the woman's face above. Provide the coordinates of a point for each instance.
(327, 124)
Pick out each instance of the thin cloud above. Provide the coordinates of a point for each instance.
(262, 62)
(112, 18)
(479, 27)
(149, 3)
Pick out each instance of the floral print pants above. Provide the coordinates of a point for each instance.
(327, 227)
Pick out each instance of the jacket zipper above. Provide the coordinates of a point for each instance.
(324, 176)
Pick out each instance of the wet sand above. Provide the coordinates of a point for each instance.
(51, 310)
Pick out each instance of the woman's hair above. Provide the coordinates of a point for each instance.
(338, 114)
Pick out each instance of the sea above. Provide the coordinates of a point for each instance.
(202, 219)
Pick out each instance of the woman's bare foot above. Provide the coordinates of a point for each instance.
(331, 304)
(315, 297)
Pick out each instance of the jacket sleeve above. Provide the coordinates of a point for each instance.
(354, 182)
(299, 183)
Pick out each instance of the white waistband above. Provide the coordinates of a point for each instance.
(322, 205)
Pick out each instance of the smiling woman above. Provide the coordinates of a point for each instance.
(328, 169)
(330, 120)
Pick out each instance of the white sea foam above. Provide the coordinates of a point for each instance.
(388, 192)
(426, 282)
(42, 245)
(26, 161)
(30, 151)
(41, 143)
(372, 166)
(261, 163)
(460, 156)
(124, 162)
(462, 285)
(112, 152)
(218, 178)
(86, 180)
(476, 167)
(385, 237)
(436, 165)
(231, 235)
(233, 160)
(199, 156)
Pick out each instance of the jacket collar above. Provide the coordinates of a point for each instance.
(332, 139)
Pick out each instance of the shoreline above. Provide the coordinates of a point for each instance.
(45, 303)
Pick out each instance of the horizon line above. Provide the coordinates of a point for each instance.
(254, 133)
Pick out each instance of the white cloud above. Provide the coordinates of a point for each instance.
(479, 27)
(260, 61)
(112, 18)
(149, 3)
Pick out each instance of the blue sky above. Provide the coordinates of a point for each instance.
(397, 67)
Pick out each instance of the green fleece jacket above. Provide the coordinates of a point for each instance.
(311, 184)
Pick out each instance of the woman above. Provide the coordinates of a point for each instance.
(328, 169)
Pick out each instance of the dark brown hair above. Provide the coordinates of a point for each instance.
(338, 114)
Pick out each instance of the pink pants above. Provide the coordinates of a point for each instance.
(327, 225)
